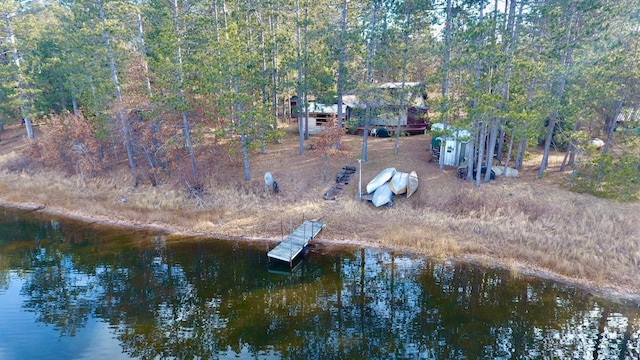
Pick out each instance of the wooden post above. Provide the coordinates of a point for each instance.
(304, 235)
(313, 224)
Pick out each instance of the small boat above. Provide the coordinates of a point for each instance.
(398, 183)
(412, 183)
(384, 176)
(382, 195)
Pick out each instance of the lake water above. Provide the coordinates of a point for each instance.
(70, 290)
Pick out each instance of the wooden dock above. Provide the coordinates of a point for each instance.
(294, 244)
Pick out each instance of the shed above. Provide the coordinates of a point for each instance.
(293, 104)
(320, 115)
(455, 143)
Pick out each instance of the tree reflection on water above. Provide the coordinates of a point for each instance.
(195, 298)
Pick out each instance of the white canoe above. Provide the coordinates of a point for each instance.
(398, 183)
(412, 184)
(382, 195)
(384, 176)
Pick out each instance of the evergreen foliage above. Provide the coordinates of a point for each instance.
(153, 78)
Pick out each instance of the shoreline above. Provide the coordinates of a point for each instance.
(526, 226)
(614, 294)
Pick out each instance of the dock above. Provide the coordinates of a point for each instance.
(294, 244)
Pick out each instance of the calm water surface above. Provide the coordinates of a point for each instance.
(70, 290)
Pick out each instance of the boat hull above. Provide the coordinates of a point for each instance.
(398, 183)
(383, 177)
(382, 195)
(412, 183)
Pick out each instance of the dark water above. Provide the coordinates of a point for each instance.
(69, 290)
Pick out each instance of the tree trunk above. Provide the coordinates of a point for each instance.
(478, 169)
(185, 122)
(306, 90)
(570, 155)
(365, 135)
(245, 155)
(522, 147)
(306, 109)
(607, 143)
(471, 151)
(547, 143)
(403, 104)
(151, 153)
(265, 94)
(25, 103)
(478, 73)
(512, 31)
(299, 59)
(446, 79)
(124, 125)
(506, 162)
(74, 104)
(341, 70)
(501, 136)
(143, 53)
(370, 57)
(273, 25)
(566, 64)
(490, 148)
(565, 159)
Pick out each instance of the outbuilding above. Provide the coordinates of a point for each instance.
(451, 144)
(386, 108)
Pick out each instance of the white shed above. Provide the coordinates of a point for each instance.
(451, 146)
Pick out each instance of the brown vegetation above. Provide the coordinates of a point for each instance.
(523, 224)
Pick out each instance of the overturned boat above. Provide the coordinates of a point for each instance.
(382, 178)
(399, 182)
(382, 195)
(412, 183)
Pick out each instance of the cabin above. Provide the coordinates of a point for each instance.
(385, 113)
(628, 118)
(412, 121)
(320, 115)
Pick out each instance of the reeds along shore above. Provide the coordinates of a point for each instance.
(516, 223)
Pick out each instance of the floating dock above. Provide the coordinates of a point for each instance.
(294, 244)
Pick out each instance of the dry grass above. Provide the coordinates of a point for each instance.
(519, 224)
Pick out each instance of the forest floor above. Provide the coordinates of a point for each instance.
(526, 225)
